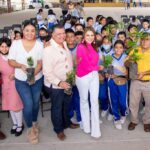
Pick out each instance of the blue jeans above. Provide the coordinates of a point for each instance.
(30, 96)
(103, 96)
(75, 104)
(60, 109)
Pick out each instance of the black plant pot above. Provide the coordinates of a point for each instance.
(30, 76)
(110, 69)
(101, 76)
(68, 91)
(133, 70)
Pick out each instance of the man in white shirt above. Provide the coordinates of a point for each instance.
(57, 61)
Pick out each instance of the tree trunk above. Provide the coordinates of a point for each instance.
(9, 5)
(23, 4)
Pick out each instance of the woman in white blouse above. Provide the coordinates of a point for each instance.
(20, 52)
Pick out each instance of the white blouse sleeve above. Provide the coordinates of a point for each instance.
(13, 51)
(40, 51)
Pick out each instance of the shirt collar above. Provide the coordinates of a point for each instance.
(52, 41)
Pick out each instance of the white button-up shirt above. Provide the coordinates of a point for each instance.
(57, 61)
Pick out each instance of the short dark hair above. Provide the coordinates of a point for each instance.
(119, 42)
(131, 26)
(28, 22)
(18, 32)
(5, 40)
(57, 26)
(89, 18)
(40, 10)
(122, 33)
(98, 17)
(109, 19)
(69, 31)
(78, 33)
(43, 29)
(102, 18)
(79, 24)
(145, 20)
(113, 22)
(50, 12)
(106, 37)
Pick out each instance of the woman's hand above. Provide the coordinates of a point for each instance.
(24, 68)
(101, 67)
(11, 77)
(78, 60)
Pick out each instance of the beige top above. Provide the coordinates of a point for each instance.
(57, 61)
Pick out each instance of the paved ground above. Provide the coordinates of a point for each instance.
(111, 139)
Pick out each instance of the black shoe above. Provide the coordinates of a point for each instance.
(13, 131)
(2, 136)
(18, 133)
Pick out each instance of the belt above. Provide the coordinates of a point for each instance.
(144, 80)
(121, 76)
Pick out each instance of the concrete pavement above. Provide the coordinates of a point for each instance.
(111, 139)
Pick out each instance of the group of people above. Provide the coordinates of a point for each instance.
(95, 54)
(134, 2)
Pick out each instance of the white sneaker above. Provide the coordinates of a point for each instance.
(103, 113)
(118, 125)
(123, 119)
(110, 117)
(74, 120)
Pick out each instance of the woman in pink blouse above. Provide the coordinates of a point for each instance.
(87, 81)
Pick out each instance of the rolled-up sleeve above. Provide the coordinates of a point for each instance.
(49, 61)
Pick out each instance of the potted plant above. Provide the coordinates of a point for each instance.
(108, 64)
(133, 69)
(30, 71)
(134, 55)
(71, 80)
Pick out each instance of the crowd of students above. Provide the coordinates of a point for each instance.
(64, 45)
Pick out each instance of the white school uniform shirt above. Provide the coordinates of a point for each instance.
(146, 31)
(52, 19)
(118, 62)
(18, 53)
(103, 53)
(40, 20)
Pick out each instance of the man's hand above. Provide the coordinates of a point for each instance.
(64, 85)
(141, 75)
